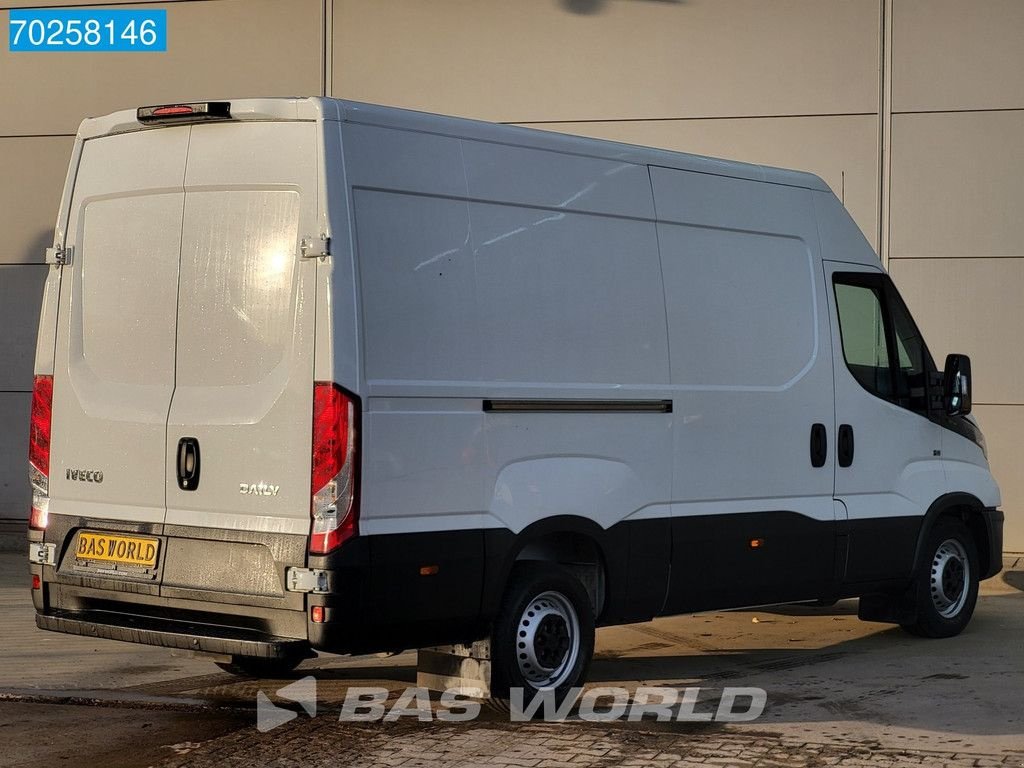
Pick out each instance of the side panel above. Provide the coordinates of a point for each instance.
(423, 428)
(479, 282)
(466, 301)
(753, 518)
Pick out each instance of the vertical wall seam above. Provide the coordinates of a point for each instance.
(326, 58)
(885, 132)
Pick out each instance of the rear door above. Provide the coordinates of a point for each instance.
(114, 358)
(245, 325)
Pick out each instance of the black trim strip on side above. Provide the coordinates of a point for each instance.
(577, 406)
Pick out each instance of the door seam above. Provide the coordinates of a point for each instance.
(177, 309)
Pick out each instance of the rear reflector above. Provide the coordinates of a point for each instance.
(39, 449)
(316, 613)
(192, 112)
(37, 583)
(334, 507)
(40, 515)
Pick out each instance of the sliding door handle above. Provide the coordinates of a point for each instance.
(844, 445)
(819, 445)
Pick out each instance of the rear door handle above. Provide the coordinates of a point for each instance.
(188, 463)
(819, 445)
(844, 445)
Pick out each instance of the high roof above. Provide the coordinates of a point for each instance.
(319, 108)
(393, 117)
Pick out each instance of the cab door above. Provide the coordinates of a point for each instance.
(888, 468)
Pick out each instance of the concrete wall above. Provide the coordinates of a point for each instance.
(911, 109)
(956, 188)
(218, 47)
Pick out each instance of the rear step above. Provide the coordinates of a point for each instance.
(171, 633)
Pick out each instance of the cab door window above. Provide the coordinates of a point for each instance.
(913, 362)
(882, 346)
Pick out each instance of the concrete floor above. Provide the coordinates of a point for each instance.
(830, 680)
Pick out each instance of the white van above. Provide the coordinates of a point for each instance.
(319, 375)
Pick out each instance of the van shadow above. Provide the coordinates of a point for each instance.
(365, 675)
(36, 251)
(881, 676)
(1014, 578)
(887, 678)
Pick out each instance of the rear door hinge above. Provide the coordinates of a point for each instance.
(307, 580)
(316, 247)
(60, 255)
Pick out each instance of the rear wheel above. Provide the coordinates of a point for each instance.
(946, 588)
(543, 637)
(256, 666)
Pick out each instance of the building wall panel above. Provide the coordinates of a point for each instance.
(33, 178)
(15, 496)
(952, 55)
(216, 49)
(957, 185)
(535, 60)
(971, 306)
(21, 292)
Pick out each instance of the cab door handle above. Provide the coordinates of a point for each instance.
(188, 463)
(844, 445)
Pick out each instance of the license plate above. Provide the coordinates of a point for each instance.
(114, 548)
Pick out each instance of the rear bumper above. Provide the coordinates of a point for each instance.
(169, 633)
(216, 591)
(227, 592)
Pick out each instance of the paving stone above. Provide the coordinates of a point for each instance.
(325, 744)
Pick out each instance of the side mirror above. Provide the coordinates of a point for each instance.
(957, 385)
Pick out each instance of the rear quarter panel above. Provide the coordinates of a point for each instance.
(489, 271)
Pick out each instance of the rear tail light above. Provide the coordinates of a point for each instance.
(39, 449)
(334, 505)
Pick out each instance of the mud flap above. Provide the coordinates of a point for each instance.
(889, 608)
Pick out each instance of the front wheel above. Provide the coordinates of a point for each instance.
(543, 637)
(946, 586)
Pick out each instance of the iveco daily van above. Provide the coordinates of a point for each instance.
(320, 375)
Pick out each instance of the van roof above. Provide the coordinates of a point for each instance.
(320, 108)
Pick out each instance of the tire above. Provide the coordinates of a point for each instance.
(542, 639)
(256, 666)
(945, 590)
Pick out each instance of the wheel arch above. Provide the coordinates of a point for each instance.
(574, 542)
(969, 509)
